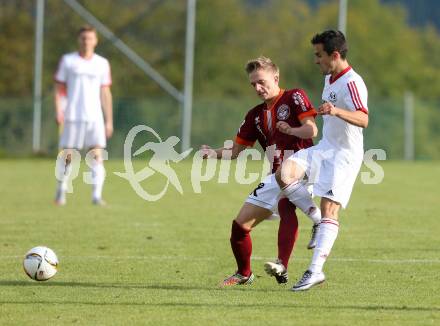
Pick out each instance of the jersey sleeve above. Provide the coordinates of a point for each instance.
(247, 133)
(357, 96)
(61, 73)
(303, 107)
(106, 79)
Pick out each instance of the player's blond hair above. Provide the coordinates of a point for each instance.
(261, 62)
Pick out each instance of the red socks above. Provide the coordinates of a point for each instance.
(241, 244)
(287, 231)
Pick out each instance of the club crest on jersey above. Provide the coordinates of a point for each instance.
(332, 97)
(283, 112)
(299, 100)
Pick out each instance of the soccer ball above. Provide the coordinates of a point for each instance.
(40, 263)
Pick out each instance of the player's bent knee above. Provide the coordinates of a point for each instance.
(250, 215)
(97, 154)
(287, 173)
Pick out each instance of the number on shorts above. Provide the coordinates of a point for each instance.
(260, 186)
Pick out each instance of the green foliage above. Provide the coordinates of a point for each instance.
(391, 56)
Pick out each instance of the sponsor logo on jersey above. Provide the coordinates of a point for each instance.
(283, 112)
(332, 97)
(299, 100)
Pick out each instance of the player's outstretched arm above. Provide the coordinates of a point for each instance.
(219, 153)
(307, 130)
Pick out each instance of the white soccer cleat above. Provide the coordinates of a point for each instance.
(277, 270)
(313, 236)
(308, 280)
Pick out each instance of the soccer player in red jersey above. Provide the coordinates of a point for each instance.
(285, 120)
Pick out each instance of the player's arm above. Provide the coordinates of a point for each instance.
(107, 108)
(308, 128)
(358, 118)
(208, 152)
(60, 90)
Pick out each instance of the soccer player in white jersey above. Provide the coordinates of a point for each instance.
(85, 77)
(334, 163)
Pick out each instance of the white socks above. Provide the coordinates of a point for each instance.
(298, 195)
(98, 176)
(63, 174)
(327, 233)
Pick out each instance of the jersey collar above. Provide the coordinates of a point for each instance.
(275, 100)
(339, 75)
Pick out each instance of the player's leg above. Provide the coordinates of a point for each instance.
(289, 177)
(334, 187)
(64, 169)
(249, 216)
(287, 235)
(98, 176)
(96, 141)
(72, 137)
(258, 207)
(327, 234)
(288, 230)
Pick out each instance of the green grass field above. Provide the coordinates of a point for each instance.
(138, 262)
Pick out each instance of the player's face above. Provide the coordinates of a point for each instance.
(323, 59)
(265, 83)
(87, 41)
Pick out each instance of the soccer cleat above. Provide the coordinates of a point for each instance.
(60, 198)
(314, 233)
(277, 270)
(308, 280)
(99, 202)
(238, 279)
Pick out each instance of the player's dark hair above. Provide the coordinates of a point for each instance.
(332, 41)
(86, 28)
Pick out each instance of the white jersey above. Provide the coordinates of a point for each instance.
(84, 79)
(348, 92)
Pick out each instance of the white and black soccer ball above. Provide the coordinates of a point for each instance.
(40, 263)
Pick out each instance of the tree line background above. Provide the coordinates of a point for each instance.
(391, 55)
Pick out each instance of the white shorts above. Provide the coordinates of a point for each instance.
(82, 134)
(332, 173)
(267, 195)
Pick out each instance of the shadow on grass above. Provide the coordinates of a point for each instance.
(227, 305)
(184, 304)
(174, 287)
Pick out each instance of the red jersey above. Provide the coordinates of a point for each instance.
(260, 122)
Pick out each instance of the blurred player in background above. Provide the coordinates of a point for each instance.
(85, 77)
(339, 153)
(288, 111)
